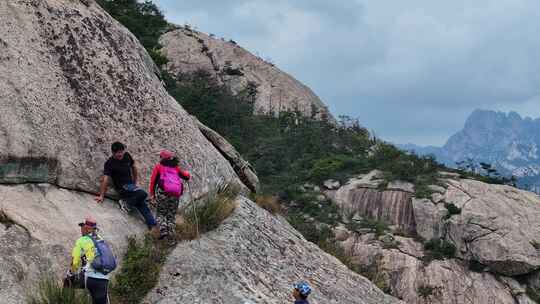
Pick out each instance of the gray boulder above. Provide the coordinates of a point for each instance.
(429, 218)
(256, 257)
(498, 226)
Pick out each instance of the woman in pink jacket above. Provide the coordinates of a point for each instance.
(165, 190)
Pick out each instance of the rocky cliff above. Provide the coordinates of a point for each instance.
(72, 81)
(494, 231)
(254, 257)
(189, 50)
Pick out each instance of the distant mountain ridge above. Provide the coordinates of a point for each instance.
(506, 140)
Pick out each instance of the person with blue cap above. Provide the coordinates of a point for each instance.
(82, 257)
(300, 292)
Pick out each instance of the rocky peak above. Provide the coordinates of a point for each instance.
(506, 140)
(189, 50)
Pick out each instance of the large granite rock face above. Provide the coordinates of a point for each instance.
(189, 50)
(73, 81)
(38, 228)
(496, 229)
(410, 278)
(499, 226)
(254, 257)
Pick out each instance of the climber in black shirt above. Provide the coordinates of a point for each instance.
(121, 168)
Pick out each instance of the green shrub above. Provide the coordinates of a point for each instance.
(323, 168)
(533, 293)
(140, 270)
(158, 58)
(51, 292)
(476, 266)
(452, 210)
(426, 291)
(379, 227)
(439, 249)
(375, 275)
(316, 234)
(422, 191)
(333, 248)
(144, 20)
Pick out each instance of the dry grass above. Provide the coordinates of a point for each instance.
(206, 215)
(185, 230)
(268, 202)
(51, 291)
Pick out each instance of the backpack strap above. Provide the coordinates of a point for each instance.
(94, 240)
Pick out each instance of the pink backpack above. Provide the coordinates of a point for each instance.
(170, 181)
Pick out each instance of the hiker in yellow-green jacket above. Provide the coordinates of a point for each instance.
(83, 258)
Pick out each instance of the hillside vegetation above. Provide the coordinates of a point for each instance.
(288, 150)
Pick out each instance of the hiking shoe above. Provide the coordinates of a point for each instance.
(171, 241)
(124, 206)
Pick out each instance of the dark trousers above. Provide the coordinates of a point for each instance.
(98, 290)
(137, 199)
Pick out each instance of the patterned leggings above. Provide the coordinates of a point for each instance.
(167, 206)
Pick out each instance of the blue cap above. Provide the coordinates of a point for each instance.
(303, 288)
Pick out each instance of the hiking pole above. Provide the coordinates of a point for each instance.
(194, 210)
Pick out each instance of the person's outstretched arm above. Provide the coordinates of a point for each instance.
(102, 189)
(183, 174)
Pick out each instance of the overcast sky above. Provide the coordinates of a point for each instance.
(412, 71)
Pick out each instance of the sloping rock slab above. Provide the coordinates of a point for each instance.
(72, 81)
(256, 257)
(43, 230)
